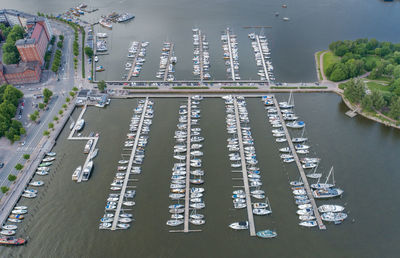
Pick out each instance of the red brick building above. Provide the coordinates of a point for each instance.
(32, 50)
(20, 73)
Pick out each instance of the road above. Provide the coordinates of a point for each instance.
(11, 154)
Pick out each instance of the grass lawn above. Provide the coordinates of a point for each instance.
(329, 58)
(378, 86)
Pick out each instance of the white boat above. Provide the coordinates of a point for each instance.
(94, 153)
(260, 205)
(122, 162)
(304, 206)
(239, 225)
(76, 173)
(105, 225)
(87, 171)
(20, 208)
(125, 220)
(42, 173)
(79, 124)
(197, 221)
(48, 159)
(19, 211)
(330, 208)
(325, 185)
(305, 212)
(123, 225)
(9, 227)
(51, 154)
(333, 216)
(174, 222)
(306, 217)
(261, 211)
(7, 232)
(327, 193)
(129, 203)
(266, 234)
(36, 183)
(88, 146)
(177, 216)
(29, 195)
(295, 124)
(309, 224)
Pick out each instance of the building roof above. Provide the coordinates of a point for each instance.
(37, 31)
(20, 68)
(25, 41)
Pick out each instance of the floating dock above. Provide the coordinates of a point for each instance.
(201, 55)
(187, 190)
(244, 172)
(134, 63)
(301, 170)
(230, 54)
(262, 58)
(171, 50)
(128, 170)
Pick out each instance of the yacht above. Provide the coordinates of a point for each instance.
(327, 193)
(174, 222)
(125, 17)
(87, 171)
(309, 224)
(267, 234)
(330, 208)
(80, 124)
(88, 146)
(333, 217)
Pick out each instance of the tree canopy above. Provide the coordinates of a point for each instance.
(9, 99)
(10, 51)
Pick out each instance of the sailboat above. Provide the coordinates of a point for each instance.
(289, 103)
(314, 175)
(325, 185)
(300, 139)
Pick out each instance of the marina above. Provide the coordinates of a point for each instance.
(137, 51)
(261, 52)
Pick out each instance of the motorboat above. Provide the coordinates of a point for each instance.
(260, 205)
(106, 220)
(296, 124)
(176, 206)
(105, 225)
(7, 232)
(12, 241)
(76, 173)
(45, 164)
(123, 225)
(304, 206)
(47, 169)
(29, 195)
(125, 220)
(309, 224)
(48, 159)
(79, 125)
(177, 216)
(42, 173)
(51, 154)
(330, 208)
(176, 211)
(305, 212)
(87, 171)
(239, 225)
(296, 183)
(20, 207)
(333, 216)
(19, 211)
(197, 221)
(267, 234)
(129, 203)
(306, 217)
(198, 205)
(36, 183)
(9, 227)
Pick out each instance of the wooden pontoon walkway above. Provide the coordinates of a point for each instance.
(171, 50)
(301, 170)
(187, 191)
(128, 170)
(244, 172)
(230, 54)
(134, 63)
(262, 58)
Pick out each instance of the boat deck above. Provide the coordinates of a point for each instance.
(301, 170)
(262, 58)
(134, 63)
(201, 56)
(128, 170)
(168, 62)
(244, 172)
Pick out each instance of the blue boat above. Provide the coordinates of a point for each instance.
(267, 234)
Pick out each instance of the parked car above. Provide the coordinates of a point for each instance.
(1, 164)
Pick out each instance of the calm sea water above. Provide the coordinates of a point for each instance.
(63, 220)
(313, 25)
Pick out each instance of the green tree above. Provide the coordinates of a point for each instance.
(16, 137)
(60, 112)
(41, 105)
(366, 103)
(354, 90)
(60, 44)
(395, 108)
(51, 125)
(33, 117)
(64, 106)
(102, 85)
(67, 99)
(72, 94)
(47, 94)
(46, 133)
(55, 118)
(378, 101)
(4, 189)
(26, 156)
(89, 52)
(61, 37)
(11, 177)
(75, 89)
(36, 113)
(19, 166)
(396, 72)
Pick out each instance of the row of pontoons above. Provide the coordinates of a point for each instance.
(320, 189)
(201, 59)
(187, 174)
(121, 200)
